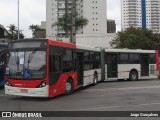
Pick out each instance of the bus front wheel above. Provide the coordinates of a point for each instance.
(133, 76)
(69, 87)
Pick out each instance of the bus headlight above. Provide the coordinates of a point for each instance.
(7, 83)
(43, 84)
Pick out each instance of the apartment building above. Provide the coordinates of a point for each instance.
(141, 13)
(111, 26)
(93, 10)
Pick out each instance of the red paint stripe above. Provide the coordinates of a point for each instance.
(61, 44)
(129, 71)
(90, 75)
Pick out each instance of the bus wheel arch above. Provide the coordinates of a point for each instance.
(95, 78)
(69, 87)
(133, 75)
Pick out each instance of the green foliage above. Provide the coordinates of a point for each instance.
(13, 33)
(136, 38)
(34, 28)
(81, 22)
(66, 22)
(5, 40)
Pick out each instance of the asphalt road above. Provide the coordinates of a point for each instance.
(143, 95)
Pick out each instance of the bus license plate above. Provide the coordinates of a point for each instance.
(24, 91)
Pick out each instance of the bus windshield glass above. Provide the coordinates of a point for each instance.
(26, 64)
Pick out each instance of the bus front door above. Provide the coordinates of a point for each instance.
(80, 65)
(111, 65)
(144, 65)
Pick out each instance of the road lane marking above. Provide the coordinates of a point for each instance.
(112, 107)
(121, 89)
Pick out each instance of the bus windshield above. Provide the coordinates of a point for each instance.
(26, 64)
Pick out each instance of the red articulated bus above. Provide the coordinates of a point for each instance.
(47, 68)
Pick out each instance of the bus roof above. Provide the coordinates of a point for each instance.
(59, 43)
(82, 47)
(71, 45)
(129, 51)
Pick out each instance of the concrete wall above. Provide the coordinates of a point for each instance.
(101, 40)
(96, 40)
(43, 25)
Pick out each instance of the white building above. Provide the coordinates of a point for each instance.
(43, 25)
(141, 13)
(93, 10)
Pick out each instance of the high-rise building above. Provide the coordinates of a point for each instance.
(141, 13)
(93, 10)
(111, 26)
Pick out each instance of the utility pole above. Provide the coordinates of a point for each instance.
(73, 27)
(66, 15)
(18, 19)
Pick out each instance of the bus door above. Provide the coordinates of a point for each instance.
(111, 65)
(55, 68)
(144, 65)
(55, 64)
(80, 65)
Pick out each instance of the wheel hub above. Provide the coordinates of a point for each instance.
(68, 87)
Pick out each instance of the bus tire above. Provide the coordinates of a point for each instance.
(133, 75)
(95, 79)
(69, 87)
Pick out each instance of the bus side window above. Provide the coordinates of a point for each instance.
(51, 61)
(68, 60)
(95, 60)
(55, 63)
(124, 58)
(87, 65)
(152, 59)
(134, 58)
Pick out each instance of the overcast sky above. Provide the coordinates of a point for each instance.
(34, 11)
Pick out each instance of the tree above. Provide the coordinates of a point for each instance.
(13, 33)
(12, 29)
(135, 38)
(65, 23)
(34, 28)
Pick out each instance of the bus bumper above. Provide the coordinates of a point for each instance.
(29, 92)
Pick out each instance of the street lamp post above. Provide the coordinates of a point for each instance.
(66, 15)
(73, 27)
(18, 19)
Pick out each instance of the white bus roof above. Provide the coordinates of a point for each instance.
(129, 51)
(87, 48)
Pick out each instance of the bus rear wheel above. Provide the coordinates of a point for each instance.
(133, 76)
(69, 87)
